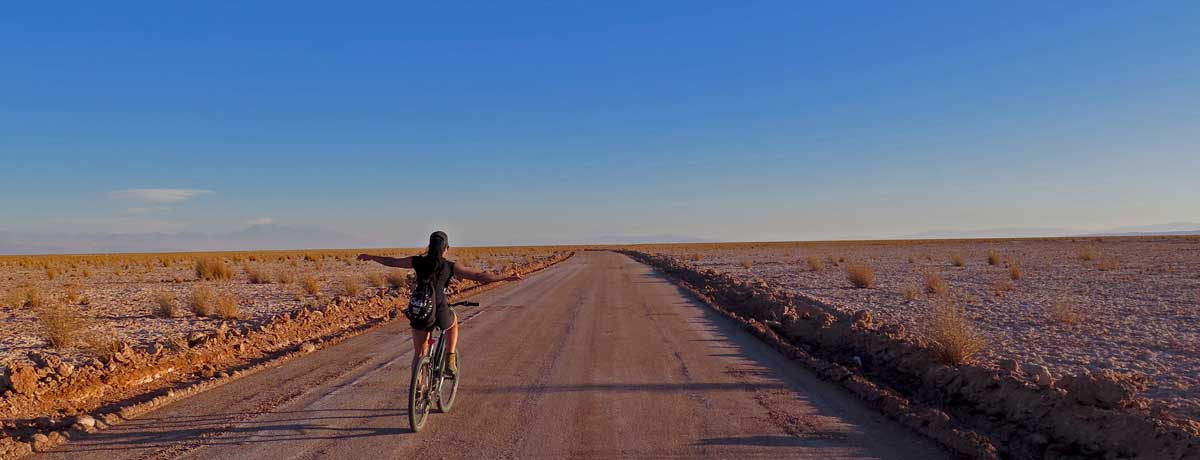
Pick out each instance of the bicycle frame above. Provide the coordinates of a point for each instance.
(431, 391)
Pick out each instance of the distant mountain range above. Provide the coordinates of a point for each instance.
(1173, 228)
(257, 237)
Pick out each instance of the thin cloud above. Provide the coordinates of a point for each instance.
(141, 211)
(260, 221)
(159, 195)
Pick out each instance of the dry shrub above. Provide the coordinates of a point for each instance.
(815, 264)
(227, 307)
(1108, 264)
(25, 296)
(993, 258)
(285, 277)
(957, 260)
(951, 335)
(61, 325)
(166, 304)
(397, 279)
(52, 273)
(1014, 270)
(104, 345)
(747, 264)
(258, 275)
(1064, 311)
(211, 269)
(860, 275)
(73, 292)
(934, 284)
(310, 286)
(349, 286)
(376, 279)
(1087, 254)
(204, 301)
(910, 291)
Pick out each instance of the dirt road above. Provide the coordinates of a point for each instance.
(597, 357)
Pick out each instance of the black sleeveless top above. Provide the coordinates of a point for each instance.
(424, 266)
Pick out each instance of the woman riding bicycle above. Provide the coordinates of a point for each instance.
(433, 266)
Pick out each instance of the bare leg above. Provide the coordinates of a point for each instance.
(420, 344)
(452, 335)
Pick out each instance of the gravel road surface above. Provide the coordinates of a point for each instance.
(597, 357)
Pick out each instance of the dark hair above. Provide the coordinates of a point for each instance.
(438, 242)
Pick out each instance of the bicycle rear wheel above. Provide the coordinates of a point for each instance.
(419, 394)
(449, 388)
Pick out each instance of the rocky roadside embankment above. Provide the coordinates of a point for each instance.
(42, 403)
(1017, 411)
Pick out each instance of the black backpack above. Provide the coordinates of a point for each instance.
(423, 300)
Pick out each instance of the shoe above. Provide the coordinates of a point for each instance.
(452, 364)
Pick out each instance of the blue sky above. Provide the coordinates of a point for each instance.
(565, 120)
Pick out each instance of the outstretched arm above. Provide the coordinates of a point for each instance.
(398, 262)
(483, 277)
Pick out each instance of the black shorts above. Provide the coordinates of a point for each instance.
(442, 318)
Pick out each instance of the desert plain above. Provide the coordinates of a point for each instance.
(1128, 304)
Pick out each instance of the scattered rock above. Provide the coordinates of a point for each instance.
(64, 370)
(23, 379)
(863, 318)
(1038, 374)
(307, 347)
(40, 442)
(1008, 365)
(196, 339)
(1106, 389)
(86, 421)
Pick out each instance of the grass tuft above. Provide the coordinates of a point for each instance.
(212, 269)
(203, 301)
(1087, 254)
(993, 258)
(258, 275)
(910, 291)
(310, 286)
(376, 279)
(1014, 270)
(815, 264)
(952, 336)
(166, 305)
(1064, 311)
(957, 260)
(61, 325)
(860, 275)
(349, 286)
(397, 279)
(934, 284)
(227, 307)
(285, 277)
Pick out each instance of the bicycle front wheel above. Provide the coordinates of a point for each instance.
(420, 394)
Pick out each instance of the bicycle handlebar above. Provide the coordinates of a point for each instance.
(465, 304)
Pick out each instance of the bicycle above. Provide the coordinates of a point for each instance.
(429, 379)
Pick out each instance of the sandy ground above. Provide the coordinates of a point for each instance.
(1141, 316)
(116, 294)
(597, 357)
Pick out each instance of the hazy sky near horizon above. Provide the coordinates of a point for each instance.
(569, 120)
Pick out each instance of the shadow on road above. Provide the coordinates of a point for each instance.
(234, 429)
